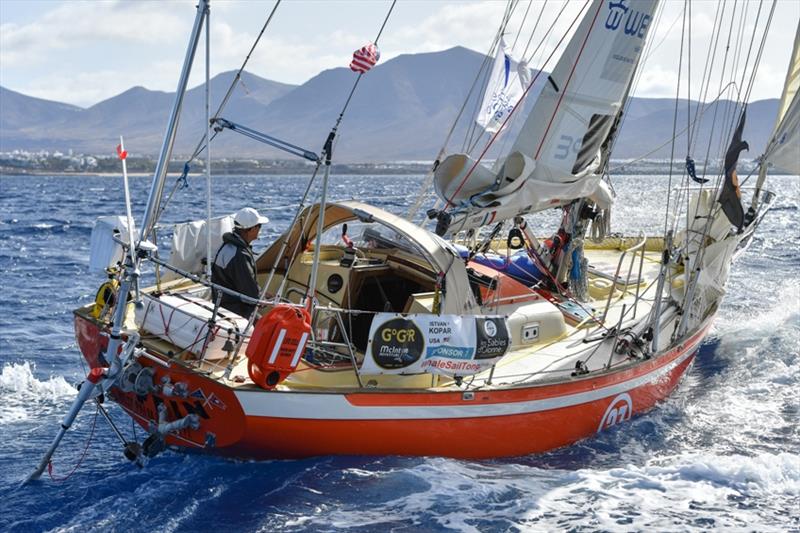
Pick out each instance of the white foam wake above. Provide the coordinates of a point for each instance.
(686, 492)
(782, 311)
(24, 396)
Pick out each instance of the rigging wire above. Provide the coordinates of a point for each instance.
(424, 190)
(236, 79)
(721, 90)
(757, 60)
(472, 127)
(756, 65)
(705, 108)
(533, 31)
(712, 215)
(729, 117)
(675, 119)
(705, 82)
(325, 155)
(361, 74)
(634, 86)
(689, 84)
(181, 180)
(207, 102)
(521, 100)
(516, 107)
(521, 25)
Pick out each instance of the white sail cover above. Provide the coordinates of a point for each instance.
(507, 83)
(556, 157)
(189, 244)
(784, 151)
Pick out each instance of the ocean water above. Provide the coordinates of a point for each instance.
(723, 452)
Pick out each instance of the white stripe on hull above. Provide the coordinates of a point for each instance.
(323, 406)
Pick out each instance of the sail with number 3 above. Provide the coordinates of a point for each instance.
(559, 154)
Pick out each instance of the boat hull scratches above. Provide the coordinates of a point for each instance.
(255, 424)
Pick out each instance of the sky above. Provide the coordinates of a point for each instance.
(82, 52)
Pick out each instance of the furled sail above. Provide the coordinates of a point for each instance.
(558, 154)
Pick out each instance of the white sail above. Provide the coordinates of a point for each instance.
(577, 108)
(506, 85)
(784, 150)
(786, 153)
(558, 153)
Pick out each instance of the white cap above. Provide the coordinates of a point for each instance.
(247, 217)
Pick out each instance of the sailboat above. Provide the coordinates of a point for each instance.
(374, 335)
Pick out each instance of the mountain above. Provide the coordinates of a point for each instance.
(138, 114)
(18, 111)
(403, 109)
(648, 125)
(23, 119)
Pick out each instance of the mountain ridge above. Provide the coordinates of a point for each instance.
(402, 110)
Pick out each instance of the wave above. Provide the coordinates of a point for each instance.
(25, 396)
(686, 492)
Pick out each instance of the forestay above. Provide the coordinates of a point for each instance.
(558, 154)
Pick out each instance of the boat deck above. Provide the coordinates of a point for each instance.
(578, 344)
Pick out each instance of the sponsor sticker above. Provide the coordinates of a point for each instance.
(492, 338)
(397, 343)
(439, 344)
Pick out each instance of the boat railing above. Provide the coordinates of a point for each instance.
(637, 249)
(212, 321)
(339, 345)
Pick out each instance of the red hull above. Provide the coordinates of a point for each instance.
(511, 422)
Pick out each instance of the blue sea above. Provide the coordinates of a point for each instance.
(723, 452)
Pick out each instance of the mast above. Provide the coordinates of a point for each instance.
(98, 377)
(159, 177)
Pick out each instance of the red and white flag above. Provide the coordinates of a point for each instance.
(365, 58)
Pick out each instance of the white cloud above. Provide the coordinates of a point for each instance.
(90, 23)
(471, 25)
(88, 88)
(111, 46)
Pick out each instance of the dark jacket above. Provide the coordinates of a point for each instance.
(235, 268)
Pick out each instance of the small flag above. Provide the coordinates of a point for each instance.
(216, 402)
(730, 198)
(122, 154)
(365, 58)
(690, 168)
(198, 394)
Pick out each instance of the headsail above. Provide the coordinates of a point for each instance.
(558, 153)
(585, 92)
(784, 144)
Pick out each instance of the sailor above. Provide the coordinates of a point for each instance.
(234, 265)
